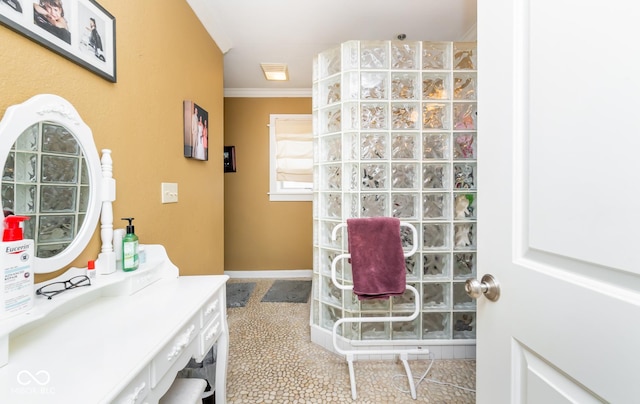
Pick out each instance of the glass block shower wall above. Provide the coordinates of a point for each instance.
(395, 135)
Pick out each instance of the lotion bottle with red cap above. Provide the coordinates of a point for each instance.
(16, 263)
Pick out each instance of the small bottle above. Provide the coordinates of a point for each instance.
(130, 248)
(91, 269)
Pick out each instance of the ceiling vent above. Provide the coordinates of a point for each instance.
(275, 71)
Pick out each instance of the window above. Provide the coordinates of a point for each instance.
(291, 158)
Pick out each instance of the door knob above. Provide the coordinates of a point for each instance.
(488, 286)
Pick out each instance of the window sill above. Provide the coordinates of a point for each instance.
(290, 197)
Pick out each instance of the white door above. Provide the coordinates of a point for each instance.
(559, 201)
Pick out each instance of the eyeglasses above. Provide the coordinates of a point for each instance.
(52, 289)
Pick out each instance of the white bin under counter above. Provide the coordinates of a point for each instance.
(119, 348)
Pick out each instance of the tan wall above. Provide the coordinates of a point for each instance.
(259, 234)
(164, 56)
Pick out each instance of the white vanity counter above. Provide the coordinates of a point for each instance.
(99, 346)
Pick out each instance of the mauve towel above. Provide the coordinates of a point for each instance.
(377, 259)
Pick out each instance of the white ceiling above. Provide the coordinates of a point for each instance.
(250, 32)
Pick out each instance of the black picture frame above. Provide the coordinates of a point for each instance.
(81, 31)
(229, 159)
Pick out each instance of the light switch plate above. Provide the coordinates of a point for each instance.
(169, 192)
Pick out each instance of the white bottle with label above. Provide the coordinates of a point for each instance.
(16, 262)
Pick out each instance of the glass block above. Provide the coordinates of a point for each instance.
(56, 228)
(435, 266)
(26, 167)
(404, 55)
(85, 194)
(374, 55)
(465, 86)
(350, 55)
(9, 167)
(316, 309)
(464, 206)
(326, 231)
(406, 301)
(404, 115)
(435, 235)
(331, 147)
(59, 169)
(350, 146)
(464, 146)
(8, 197)
(330, 91)
(350, 330)
(331, 177)
(57, 139)
(435, 176)
(435, 146)
(436, 295)
(329, 63)
(375, 305)
(435, 86)
(314, 91)
(373, 146)
(465, 236)
(29, 229)
(406, 236)
(405, 176)
(29, 139)
(374, 85)
(374, 176)
(435, 205)
(352, 176)
(374, 331)
(25, 199)
(329, 315)
(374, 205)
(464, 325)
(465, 56)
(331, 120)
(57, 199)
(403, 330)
(464, 116)
(404, 86)
(49, 250)
(404, 145)
(374, 116)
(464, 265)
(436, 55)
(332, 204)
(411, 265)
(436, 326)
(404, 206)
(352, 208)
(435, 116)
(461, 300)
(330, 293)
(351, 86)
(465, 175)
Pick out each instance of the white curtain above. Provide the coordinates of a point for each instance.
(294, 150)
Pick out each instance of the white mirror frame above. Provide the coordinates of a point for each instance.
(52, 108)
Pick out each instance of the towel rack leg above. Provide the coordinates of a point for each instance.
(412, 385)
(352, 377)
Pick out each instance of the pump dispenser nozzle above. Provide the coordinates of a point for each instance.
(12, 229)
(130, 225)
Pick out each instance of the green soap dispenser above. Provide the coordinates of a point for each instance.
(130, 248)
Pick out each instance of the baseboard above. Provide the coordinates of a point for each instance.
(293, 273)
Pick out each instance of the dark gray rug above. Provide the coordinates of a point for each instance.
(285, 291)
(238, 293)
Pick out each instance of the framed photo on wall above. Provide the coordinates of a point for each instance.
(79, 30)
(229, 159)
(196, 131)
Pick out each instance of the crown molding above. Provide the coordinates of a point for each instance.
(267, 92)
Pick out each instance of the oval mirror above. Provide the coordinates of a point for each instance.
(51, 173)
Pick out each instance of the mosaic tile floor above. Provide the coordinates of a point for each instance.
(272, 360)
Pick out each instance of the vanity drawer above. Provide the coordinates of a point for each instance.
(137, 390)
(210, 334)
(174, 350)
(213, 306)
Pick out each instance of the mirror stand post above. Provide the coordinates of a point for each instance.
(106, 262)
